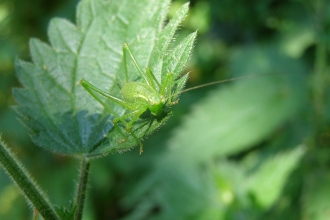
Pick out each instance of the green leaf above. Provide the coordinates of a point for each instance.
(66, 214)
(164, 39)
(315, 199)
(241, 114)
(175, 61)
(59, 113)
(234, 118)
(267, 182)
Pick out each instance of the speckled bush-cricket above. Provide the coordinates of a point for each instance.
(139, 97)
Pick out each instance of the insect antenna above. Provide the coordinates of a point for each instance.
(217, 82)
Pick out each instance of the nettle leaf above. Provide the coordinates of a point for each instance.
(163, 41)
(244, 113)
(235, 118)
(60, 114)
(267, 182)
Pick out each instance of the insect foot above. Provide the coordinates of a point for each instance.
(138, 140)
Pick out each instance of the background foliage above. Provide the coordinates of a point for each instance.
(249, 149)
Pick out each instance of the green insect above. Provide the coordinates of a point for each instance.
(139, 97)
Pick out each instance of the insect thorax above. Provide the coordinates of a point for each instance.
(143, 95)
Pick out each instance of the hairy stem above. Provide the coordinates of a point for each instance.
(26, 184)
(81, 190)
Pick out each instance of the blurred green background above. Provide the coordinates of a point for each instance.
(249, 149)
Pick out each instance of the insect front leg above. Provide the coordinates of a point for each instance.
(148, 76)
(166, 89)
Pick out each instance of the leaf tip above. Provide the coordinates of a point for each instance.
(186, 5)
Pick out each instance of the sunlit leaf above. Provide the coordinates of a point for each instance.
(59, 113)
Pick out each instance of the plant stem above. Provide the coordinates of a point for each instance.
(35, 214)
(26, 184)
(81, 190)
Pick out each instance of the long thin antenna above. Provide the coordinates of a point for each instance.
(219, 82)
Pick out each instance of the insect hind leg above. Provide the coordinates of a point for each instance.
(135, 114)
